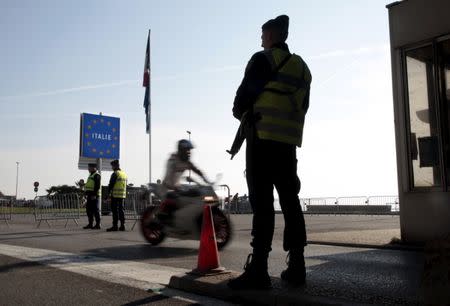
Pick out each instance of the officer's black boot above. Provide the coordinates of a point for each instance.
(295, 274)
(122, 227)
(255, 275)
(90, 219)
(114, 228)
(97, 220)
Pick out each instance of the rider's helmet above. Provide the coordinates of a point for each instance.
(184, 149)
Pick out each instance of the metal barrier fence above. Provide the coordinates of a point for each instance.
(354, 200)
(316, 201)
(225, 197)
(57, 207)
(353, 204)
(5, 210)
(370, 204)
(240, 207)
(135, 204)
(385, 200)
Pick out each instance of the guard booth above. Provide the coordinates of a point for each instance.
(420, 52)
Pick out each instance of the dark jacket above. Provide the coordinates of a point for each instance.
(112, 181)
(257, 74)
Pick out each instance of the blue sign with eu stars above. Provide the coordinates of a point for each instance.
(100, 136)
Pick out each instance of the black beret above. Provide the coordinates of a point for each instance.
(115, 162)
(280, 23)
(92, 165)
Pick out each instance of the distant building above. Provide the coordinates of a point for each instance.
(3, 196)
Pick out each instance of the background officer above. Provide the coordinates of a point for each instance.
(117, 190)
(93, 193)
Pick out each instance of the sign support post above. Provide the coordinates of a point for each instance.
(99, 167)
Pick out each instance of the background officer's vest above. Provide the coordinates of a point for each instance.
(90, 184)
(120, 187)
(285, 99)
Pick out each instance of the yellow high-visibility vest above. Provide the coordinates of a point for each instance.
(283, 104)
(120, 187)
(90, 184)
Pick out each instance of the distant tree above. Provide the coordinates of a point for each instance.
(64, 189)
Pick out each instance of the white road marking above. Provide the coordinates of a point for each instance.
(130, 273)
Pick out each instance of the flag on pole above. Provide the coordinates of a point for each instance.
(146, 84)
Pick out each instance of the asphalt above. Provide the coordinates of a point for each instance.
(346, 266)
(30, 283)
(367, 276)
(383, 274)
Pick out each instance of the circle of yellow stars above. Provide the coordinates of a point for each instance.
(94, 150)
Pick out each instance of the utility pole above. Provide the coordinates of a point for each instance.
(17, 177)
(189, 133)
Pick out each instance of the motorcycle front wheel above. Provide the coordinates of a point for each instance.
(152, 229)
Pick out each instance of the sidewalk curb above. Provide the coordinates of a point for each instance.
(216, 286)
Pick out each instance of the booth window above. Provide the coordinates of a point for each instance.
(444, 71)
(423, 124)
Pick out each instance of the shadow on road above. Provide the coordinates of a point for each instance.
(140, 252)
(371, 276)
(366, 276)
(19, 265)
(149, 300)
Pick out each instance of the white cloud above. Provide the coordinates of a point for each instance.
(371, 49)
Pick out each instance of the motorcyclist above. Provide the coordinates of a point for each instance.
(177, 164)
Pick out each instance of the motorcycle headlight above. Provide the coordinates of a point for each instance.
(209, 199)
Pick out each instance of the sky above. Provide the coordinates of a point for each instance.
(63, 58)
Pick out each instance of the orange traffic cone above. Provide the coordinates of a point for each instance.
(208, 256)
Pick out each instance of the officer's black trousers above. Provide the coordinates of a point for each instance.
(92, 211)
(117, 211)
(269, 164)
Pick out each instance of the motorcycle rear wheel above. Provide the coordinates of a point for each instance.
(152, 229)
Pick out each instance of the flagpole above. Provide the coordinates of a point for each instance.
(149, 115)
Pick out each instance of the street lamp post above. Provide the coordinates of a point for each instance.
(189, 133)
(17, 177)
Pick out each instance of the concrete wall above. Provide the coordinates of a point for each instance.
(423, 215)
